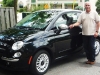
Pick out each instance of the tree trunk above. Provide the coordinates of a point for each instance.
(15, 8)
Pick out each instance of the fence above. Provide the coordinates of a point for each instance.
(7, 18)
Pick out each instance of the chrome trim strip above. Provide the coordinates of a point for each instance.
(2, 49)
(9, 59)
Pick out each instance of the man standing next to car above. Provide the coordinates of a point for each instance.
(90, 27)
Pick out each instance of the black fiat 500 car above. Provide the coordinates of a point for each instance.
(41, 38)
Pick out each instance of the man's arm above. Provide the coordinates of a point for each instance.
(97, 19)
(97, 29)
(97, 26)
(75, 24)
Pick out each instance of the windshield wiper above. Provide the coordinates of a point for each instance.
(21, 27)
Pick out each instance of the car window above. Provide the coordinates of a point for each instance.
(59, 21)
(67, 19)
(74, 15)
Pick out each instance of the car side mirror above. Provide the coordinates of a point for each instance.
(63, 26)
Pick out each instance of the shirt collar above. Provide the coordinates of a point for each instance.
(88, 12)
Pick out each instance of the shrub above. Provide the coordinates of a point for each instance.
(78, 8)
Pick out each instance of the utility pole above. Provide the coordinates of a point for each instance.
(74, 4)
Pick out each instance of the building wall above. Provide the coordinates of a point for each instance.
(93, 2)
(64, 2)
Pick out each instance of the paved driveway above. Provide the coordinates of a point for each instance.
(69, 66)
(75, 66)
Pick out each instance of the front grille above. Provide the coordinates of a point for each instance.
(2, 49)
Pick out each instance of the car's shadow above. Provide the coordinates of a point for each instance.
(67, 60)
(6, 72)
(55, 64)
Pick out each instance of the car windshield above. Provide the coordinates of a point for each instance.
(37, 20)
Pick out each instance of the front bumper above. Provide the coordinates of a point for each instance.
(9, 59)
(14, 64)
(9, 62)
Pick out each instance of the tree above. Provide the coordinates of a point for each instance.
(15, 8)
(78, 8)
(4, 2)
(8, 3)
(98, 6)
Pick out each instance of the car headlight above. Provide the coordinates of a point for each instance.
(17, 45)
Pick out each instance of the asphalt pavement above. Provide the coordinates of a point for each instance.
(69, 66)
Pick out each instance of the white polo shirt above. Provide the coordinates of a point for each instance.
(88, 21)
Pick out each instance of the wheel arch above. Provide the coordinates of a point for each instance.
(46, 49)
(98, 38)
(34, 57)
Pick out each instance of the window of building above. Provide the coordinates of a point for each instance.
(33, 1)
(86, 0)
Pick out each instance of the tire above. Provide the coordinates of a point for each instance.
(97, 46)
(40, 63)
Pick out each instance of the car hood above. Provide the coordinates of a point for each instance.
(17, 34)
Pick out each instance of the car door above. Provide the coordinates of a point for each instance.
(65, 42)
(62, 40)
(76, 32)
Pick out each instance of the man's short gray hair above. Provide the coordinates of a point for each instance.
(88, 2)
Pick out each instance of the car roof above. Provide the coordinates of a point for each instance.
(62, 10)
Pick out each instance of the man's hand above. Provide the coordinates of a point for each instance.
(96, 34)
(71, 26)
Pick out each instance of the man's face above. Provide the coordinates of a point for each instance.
(87, 7)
